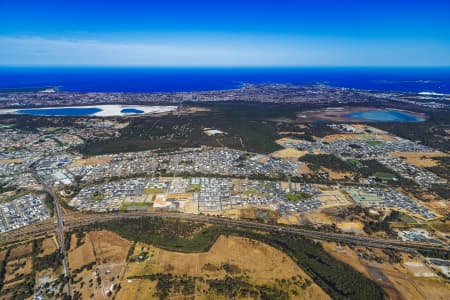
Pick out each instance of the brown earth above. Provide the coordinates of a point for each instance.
(11, 161)
(94, 160)
(337, 175)
(289, 153)
(48, 247)
(82, 255)
(262, 263)
(2, 255)
(21, 250)
(18, 266)
(420, 159)
(109, 252)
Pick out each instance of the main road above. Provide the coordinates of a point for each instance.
(59, 225)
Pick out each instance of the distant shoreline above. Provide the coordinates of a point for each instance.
(150, 80)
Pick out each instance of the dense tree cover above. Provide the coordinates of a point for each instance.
(338, 279)
(21, 291)
(364, 168)
(328, 161)
(436, 253)
(247, 127)
(318, 130)
(3, 268)
(49, 203)
(32, 123)
(371, 167)
(442, 190)
(4, 188)
(382, 225)
(168, 283)
(53, 261)
(307, 132)
(231, 287)
(172, 235)
(443, 167)
(236, 287)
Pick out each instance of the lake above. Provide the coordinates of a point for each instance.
(95, 110)
(384, 116)
(63, 111)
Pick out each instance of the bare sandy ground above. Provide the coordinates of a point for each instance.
(420, 159)
(289, 153)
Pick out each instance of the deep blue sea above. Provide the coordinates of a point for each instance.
(202, 79)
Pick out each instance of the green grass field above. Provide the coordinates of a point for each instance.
(374, 143)
(193, 188)
(297, 196)
(384, 176)
(12, 197)
(134, 206)
(97, 197)
(154, 191)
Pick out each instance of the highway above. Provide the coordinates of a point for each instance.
(59, 228)
(71, 221)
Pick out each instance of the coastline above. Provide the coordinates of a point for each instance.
(148, 80)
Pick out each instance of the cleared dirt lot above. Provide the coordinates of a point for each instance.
(337, 175)
(82, 255)
(289, 153)
(353, 227)
(420, 159)
(21, 250)
(109, 247)
(138, 289)
(48, 247)
(94, 160)
(11, 161)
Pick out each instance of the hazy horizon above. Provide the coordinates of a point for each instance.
(232, 34)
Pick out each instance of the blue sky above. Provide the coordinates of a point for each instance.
(225, 33)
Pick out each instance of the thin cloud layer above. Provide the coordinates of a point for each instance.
(220, 51)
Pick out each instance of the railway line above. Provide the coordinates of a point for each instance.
(72, 221)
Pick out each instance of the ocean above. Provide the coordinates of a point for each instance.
(89, 79)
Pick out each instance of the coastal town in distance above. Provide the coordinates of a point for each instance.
(103, 194)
